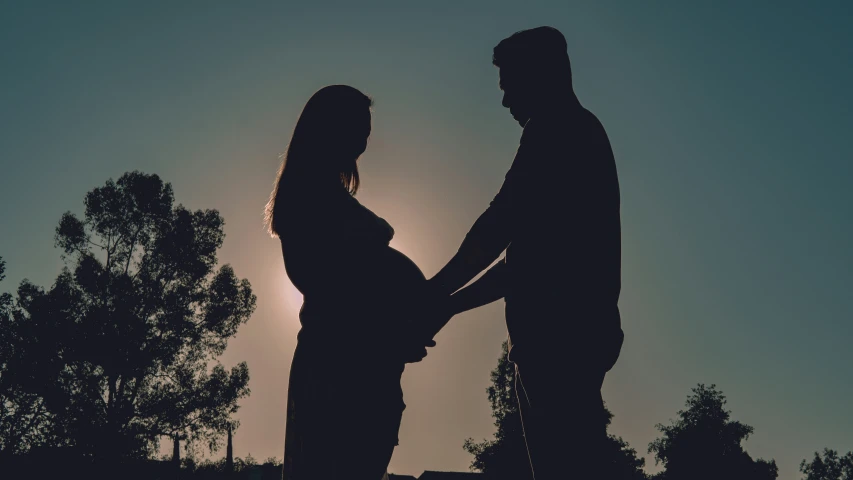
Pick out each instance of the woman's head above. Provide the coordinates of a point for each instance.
(329, 136)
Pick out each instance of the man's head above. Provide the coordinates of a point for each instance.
(534, 70)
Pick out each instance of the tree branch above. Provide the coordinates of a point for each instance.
(109, 250)
(167, 376)
(132, 244)
(137, 381)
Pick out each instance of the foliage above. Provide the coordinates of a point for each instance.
(122, 348)
(25, 422)
(505, 456)
(506, 453)
(244, 468)
(704, 443)
(828, 467)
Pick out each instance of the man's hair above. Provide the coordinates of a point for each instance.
(540, 50)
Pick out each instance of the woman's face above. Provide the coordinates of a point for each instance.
(364, 133)
(353, 141)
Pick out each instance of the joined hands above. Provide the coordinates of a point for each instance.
(419, 336)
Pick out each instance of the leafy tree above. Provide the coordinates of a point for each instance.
(25, 422)
(122, 348)
(828, 467)
(704, 443)
(505, 456)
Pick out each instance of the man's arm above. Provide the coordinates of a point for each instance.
(487, 289)
(491, 233)
(488, 237)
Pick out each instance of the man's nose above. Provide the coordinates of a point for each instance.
(504, 101)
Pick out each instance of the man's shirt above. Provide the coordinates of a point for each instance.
(557, 216)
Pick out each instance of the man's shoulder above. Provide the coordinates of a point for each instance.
(564, 128)
(560, 121)
(539, 130)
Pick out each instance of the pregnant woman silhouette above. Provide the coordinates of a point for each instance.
(362, 315)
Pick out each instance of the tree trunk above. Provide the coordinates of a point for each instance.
(176, 456)
(229, 457)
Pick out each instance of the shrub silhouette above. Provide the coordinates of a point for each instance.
(704, 443)
(505, 456)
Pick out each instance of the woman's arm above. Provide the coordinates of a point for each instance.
(488, 237)
(487, 289)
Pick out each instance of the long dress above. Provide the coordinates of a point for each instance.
(345, 402)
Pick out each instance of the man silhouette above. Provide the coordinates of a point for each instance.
(557, 217)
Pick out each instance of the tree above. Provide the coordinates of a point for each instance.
(704, 443)
(828, 467)
(505, 456)
(25, 422)
(122, 348)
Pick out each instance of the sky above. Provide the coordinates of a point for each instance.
(729, 121)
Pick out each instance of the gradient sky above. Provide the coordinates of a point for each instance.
(730, 122)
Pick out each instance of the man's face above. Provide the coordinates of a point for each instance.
(515, 95)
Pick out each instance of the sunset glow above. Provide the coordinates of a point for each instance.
(729, 125)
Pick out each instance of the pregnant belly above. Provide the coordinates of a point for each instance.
(402, 281)
(386, 290)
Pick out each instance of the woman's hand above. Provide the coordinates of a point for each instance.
(412, 347)
(415, 339)
(436, 312)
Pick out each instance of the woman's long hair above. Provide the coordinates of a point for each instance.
(329, 136)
